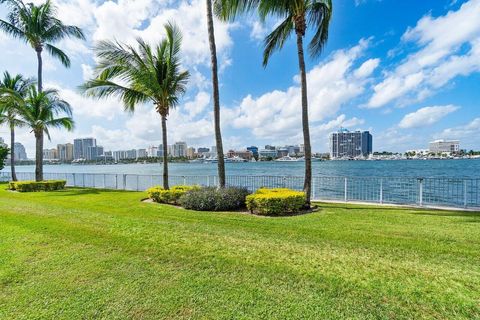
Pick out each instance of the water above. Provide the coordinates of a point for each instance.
(398, 168)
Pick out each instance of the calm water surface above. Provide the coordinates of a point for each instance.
(397, 168)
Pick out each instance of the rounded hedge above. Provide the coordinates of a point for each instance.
(170, 196)
(36, 186)
(214, 199)
(276, 202)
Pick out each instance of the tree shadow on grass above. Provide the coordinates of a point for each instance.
(72, 192)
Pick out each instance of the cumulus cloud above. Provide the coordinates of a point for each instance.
(331, 85)
(448, 47)
(467, 131)
(426, 116)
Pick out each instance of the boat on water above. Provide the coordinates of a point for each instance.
(235, 159)
(288, 159)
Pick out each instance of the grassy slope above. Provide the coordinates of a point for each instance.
(91, 254)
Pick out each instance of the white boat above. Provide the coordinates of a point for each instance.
(287, 159)
(235, 159)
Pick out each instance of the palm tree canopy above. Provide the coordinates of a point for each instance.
(39, 27)
(140, 74)
(44, 110)
(295, 16)
(13, 90)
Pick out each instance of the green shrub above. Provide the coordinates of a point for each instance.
(214, 199)
(276, 201)
(171, 196)
(34, 186)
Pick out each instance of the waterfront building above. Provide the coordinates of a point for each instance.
(267, 153)
(50, 154)
(65, 152)
(20, 153)
(244, 154)
(292, 150)
(254, 151)
(444, 146)
(282, 152)
(179, 149)
(94, 153)
(213, 150)
(347, 144)
(269, 147)
(141, 153)
(203, 150)
(191, 152)
(152, 151)
(80, 147)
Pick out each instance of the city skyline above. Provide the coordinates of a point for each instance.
(398, 84)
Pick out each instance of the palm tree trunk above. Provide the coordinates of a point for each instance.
(39, 72)
(39, 155)
(165, 153)
(307, 186)
(12, 152)
(216, 96)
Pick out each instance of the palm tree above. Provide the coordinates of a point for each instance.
(41, 112)
(296, 16)
(13, 91)
(40, 28)
(141, 75)
(216, 96)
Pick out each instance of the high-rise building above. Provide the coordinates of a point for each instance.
(80, 147)
(65, 152)
(141, 153)
(20, 153)
(179, 149)
(94, 153)
(213, 149)
(191, 152)
(50, 154)
(152, 152)
(346, 144)
(441, 146)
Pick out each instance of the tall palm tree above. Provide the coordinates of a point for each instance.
(13, 89)
(216, 96)
(296, 16)
(40, 28)
(45, 110)
(141, 75)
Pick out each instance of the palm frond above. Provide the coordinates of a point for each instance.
(319, 16)
(59, 54)
(276, 39)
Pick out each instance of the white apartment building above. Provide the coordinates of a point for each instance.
(444, 146)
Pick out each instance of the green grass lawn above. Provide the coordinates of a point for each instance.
(83, 254)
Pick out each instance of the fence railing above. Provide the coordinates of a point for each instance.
(447, 192)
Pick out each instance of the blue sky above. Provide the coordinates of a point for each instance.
(408, 71)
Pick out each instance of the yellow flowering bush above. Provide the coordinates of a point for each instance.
(280, 201)
(171, 196)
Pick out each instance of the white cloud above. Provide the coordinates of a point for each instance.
(426, 116)
(367, 68)
(468, 132)
(448, 47)
(276, 114)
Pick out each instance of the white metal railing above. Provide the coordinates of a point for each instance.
(448, 192)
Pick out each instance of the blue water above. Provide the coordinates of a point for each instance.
(397, 168)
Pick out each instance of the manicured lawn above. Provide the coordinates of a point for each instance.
(83, 254)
